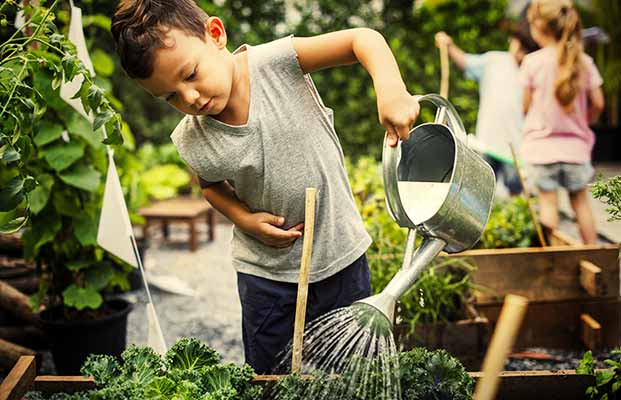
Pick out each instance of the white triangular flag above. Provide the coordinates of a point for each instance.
(115, 229)
(76, 36)
(155, 338)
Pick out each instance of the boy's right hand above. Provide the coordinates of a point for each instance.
(265, 228)
(442, 39)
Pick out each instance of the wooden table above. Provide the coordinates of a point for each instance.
(180, 209)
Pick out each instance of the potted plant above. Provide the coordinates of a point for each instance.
(53, 164)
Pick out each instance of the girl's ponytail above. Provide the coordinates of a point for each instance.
(569, 57)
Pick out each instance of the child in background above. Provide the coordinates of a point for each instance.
(500, 117)
(258, 134)
(562, 97)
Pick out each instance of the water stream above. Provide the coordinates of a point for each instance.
(351, 355)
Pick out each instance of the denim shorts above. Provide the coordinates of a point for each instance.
(573, 177)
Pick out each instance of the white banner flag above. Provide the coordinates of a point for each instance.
(155, 338)
(115, 228)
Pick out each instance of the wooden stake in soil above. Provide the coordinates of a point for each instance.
(307, 249)
(502, 341)
(445, 69)
(531, 210)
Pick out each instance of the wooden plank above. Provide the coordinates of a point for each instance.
(558, 238)
(15, 302)
(19, 380)
(557, 324)
(541, 274)
(518, 385)
(591, 332)
(10, 353)
(591, 278)
(541, 385)
(49, 384)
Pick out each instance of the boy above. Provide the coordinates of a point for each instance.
(500, 117)
(257, 133)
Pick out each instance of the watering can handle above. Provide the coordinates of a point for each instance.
(391, 155)
(446, 110)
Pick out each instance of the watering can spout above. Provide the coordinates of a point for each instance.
(405, 278)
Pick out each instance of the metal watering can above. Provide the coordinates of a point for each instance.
(436, 185)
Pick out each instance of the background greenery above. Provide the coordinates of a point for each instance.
(408, 26)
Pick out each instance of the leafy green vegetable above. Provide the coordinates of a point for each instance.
(607, 381)
(433, 375)
(609, 192)
(190, 370)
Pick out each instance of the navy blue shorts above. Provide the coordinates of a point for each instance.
(268, 309)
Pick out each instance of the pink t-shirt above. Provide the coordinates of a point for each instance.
(551, 134)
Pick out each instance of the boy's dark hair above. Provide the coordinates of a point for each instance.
(521, 32)
(140, 26)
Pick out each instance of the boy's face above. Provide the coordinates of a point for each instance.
(195, 76)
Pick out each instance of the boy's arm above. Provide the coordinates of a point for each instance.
(455, 53)
(263, 226)
(397, 109)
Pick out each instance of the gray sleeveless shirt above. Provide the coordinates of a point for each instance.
(287, 145)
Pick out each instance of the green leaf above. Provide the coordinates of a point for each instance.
(85, 229)
(11, 195)
(39, 197)
(102, 118)
(67, 203)
(98, 20)
(103, 63)
(62, 155)
(119, 279)
(83, 177)
(80, 126)
(43, 229)
(615, 386)
(11, 221)
(78, 265)
(9, 154)
(99, 276)
(603, 377)
(29, 184)
(586, 364)
(82, 298)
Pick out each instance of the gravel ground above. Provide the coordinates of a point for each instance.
(213, 314)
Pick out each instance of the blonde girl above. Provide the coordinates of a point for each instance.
(562, 97)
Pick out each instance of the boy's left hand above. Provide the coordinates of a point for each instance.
(397, 111)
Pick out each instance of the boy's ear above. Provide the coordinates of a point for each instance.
(214, 29)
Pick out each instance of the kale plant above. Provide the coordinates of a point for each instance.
(607, 381)
(190, 370)
(433, 375)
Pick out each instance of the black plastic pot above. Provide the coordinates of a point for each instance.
(71, 341)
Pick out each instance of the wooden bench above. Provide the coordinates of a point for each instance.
(180, 209)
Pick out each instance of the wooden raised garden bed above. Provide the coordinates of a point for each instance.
(548, 385)
(465, 339)
(573, 291)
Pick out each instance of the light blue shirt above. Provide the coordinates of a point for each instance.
(500, 117)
